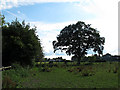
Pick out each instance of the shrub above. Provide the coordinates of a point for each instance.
(91, 58)
(20, 70)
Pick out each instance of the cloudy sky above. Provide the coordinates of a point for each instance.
(51, 16)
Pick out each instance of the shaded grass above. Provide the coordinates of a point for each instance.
(60, 77)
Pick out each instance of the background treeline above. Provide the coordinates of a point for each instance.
(20, 44)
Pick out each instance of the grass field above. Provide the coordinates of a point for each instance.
(97, 75)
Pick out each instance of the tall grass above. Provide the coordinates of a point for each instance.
(94, 75)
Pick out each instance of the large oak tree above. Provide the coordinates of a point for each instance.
(77, 39)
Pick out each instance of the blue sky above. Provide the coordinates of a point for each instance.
(49, 12)
(51, 16)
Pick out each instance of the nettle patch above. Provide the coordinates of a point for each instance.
(83, 70)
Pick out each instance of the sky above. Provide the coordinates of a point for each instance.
(51, 16)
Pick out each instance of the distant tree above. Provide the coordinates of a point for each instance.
(91, 58)
(77, 39)
(20, 44)
(59, 58)
(108, 55)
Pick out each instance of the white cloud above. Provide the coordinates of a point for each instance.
(51, 26)
(47, 33)
(107, 28)
(106, 21)
(18, 12)
(54, 56)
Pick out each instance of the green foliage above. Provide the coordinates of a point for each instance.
(2, 21)
(82, 76)
(87, 72)
(16, 65)
(90, 58)
(83, 70)
(12, 77)
(115, 70)
(18, 71)
(45, 69)
(8, 83)
(77, 39)
(48, 69)
(20, 44)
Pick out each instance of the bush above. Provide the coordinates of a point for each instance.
(91, 58)
(20, 70)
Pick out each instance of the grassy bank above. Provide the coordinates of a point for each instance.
(97, 75)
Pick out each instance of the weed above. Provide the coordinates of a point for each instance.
(80, 68)
(8, 83)
(85, 73)
(45, 69)
(115, 70)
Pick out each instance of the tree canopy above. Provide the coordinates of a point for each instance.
(20, 44)
(77, 39)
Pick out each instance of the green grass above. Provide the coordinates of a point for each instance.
(60, 77)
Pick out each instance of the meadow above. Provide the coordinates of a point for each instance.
(61, 75)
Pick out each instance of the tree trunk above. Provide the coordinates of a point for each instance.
(79, 58)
